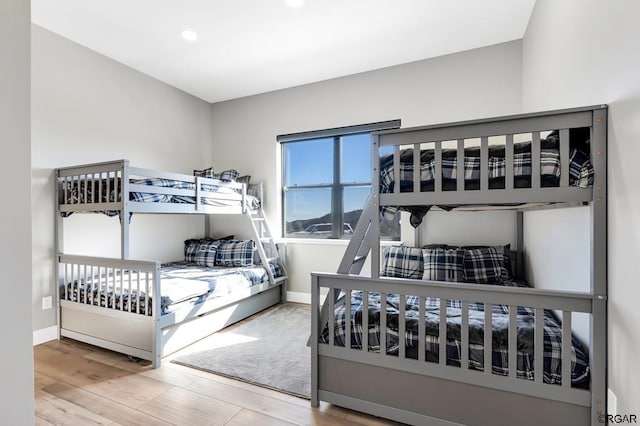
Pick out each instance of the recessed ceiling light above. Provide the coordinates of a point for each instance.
(189, 35)
(294, 3)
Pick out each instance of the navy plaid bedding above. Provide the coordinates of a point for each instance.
(182, 283)
(402, 262)
(580, 169)
(443, 264)
(483, 265)
(500, 322)
(110, 191)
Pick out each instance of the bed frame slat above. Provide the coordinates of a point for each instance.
(100, 183)
(564, 158)
(535, 160)
(421, 329)
(442, 336)
(401, 326)
(464, 336)
(460, 169)
(484, 163)
(331, 297)
(129, 294)
(488, 338)
(437, 170)
(147, 305)
(347, 319)
(65, 189)
(137, 292)
(383, 324)
(86, 184)
(108, 188)
(566, 349)
(365, 321)
(396, 169)
(76, 278)
(416, 167)
(508, 154)
(538, 348)
(513, 341)
(122, 276)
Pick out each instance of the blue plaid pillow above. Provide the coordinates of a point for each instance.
(192, 246)
(190, 250)
(235, 253)
(207, 173)
(227, 176)
(483, 265)
(402, 262)
(206, 253)
(443, 264)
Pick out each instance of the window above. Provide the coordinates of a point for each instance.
(327, 180)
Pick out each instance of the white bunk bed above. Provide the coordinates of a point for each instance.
(112, 303)
(428, 369)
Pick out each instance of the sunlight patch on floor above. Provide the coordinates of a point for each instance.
(218, 340)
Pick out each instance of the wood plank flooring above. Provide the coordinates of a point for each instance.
(80, 384)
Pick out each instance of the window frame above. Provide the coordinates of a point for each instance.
(336, 186)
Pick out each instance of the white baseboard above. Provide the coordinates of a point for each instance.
(299, 297)
(45, 335)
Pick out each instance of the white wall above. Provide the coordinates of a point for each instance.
(88, 108)
(471, 228)
(467, 85)
(557, 255)
(583, 52)
(16, 368)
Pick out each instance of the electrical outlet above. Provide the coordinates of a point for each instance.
(47, 302)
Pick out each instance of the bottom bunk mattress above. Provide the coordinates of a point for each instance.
(183, 284)
(500, 331)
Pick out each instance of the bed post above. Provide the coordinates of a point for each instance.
(315, 306)
(520, 244)
(157, 331)
(374, 229)
(599, 265)
(124, 211)
(58, 229)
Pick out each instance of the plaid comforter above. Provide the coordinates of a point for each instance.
(110, 190)
(182, 283)
(580, 169)
(580, 172)
(500, 329)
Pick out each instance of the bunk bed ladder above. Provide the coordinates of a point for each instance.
(360, 243)
(266, 246)
(354, 256)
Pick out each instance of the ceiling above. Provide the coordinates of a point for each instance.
(246, 47)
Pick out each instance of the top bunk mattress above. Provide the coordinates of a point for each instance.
(215, 193)
(397, 176)
(580, 168)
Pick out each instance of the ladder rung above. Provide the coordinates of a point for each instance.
(266, 239)
(271, 259)
(260, 219)
(279, 279)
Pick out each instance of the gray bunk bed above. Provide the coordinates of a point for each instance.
(147, 309)
(417, 354)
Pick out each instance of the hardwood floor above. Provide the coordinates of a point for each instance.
(79, 384)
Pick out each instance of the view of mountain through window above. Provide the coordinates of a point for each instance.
(326, 182)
